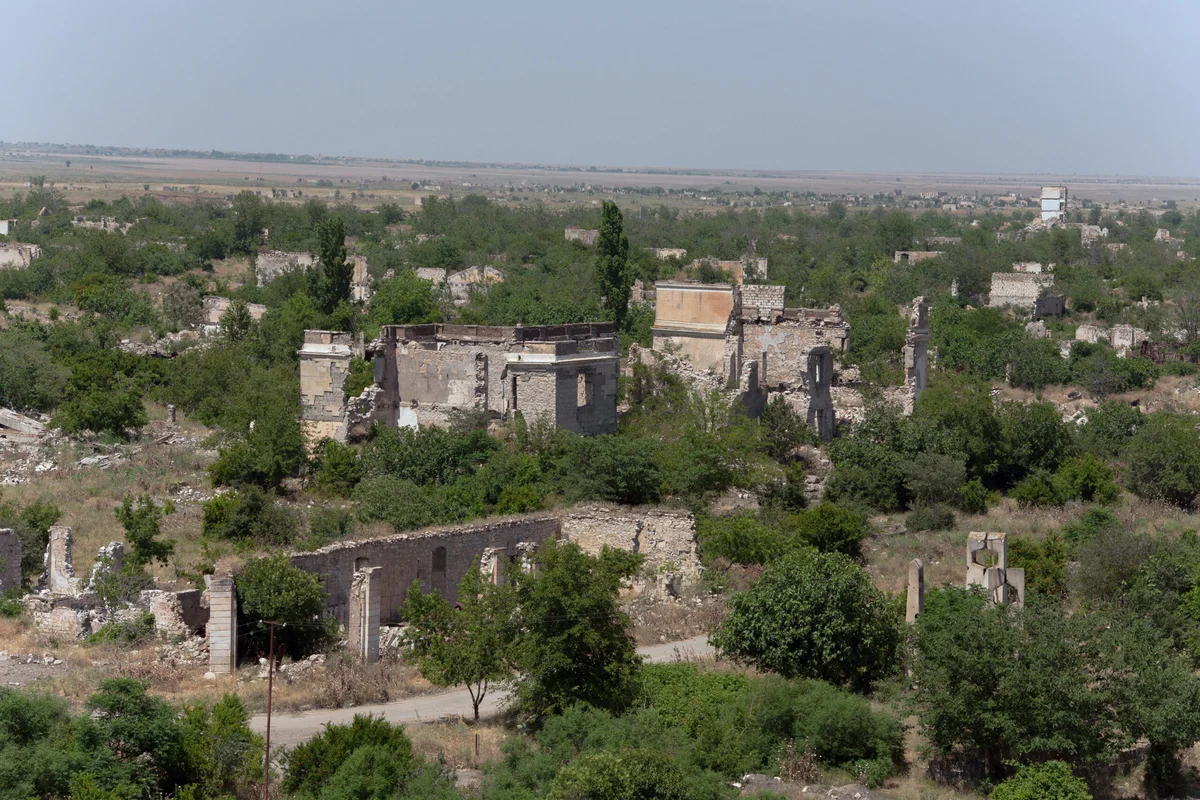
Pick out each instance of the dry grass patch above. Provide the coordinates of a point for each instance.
(460, 745)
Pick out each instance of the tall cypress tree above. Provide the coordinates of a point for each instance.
(612, 263)
(332, 278)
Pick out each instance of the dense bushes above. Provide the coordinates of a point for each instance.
(272, 590)
(125, 744)
(815, 615)
(747, 538)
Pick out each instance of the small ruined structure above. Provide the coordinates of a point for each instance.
(109, 224)
(915, 605)
(1054, 203)
(1127, 340)
(10, 560)
(464, 283)
(665, 536)
(663, 253)
(1018, 289)
(362, 630)
(942, 240)
(1031, 267)
(585, 236)
(215, 307)
(821, 416)
(564, 373)
(270, 264)
(913, 256)
(987, 566)
(916, 353)
(14, 255)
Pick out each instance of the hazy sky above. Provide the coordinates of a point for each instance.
(1091, 86)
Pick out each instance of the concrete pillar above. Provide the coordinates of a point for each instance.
(60, 572)
(222, 626)
(365, 595)
(916, 590)
(1015, 578)
(985, 551)
(170, 414)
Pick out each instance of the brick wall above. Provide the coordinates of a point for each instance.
(1017, 289)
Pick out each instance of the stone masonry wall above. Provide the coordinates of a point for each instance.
(1017, 289)
(438, 558)
(667, 537)
(768, 300)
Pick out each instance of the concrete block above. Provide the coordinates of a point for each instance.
(222, 626)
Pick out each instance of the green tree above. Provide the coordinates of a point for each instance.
(612, 263)
(331, 278)
(142, 528)
(29, 379)
(236, 322)
(404, 300)
(574, 645)
(274, 590)
(468, 644)
(249, 214)
(1162, 459)
(813, 615)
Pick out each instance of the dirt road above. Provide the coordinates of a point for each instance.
(291, 729)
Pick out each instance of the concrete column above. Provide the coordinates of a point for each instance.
(916, 590)
(1015, 578)
(365, 604)
(222, 626)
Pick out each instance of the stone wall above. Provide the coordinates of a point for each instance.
(176, 614)
(913, 256)
(472, 279)
(667, 537)
(1017, 289)
(438, 558)
(215, 307)
(762, 302)
(585, 236)
(916, 353)
(60, 569)
(324, 367)
(270, 264)
(781, 349)
(10, 560)
(664, 253)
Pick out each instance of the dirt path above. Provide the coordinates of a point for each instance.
(288, 730)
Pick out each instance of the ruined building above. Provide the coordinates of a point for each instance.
(564, 373)
(744, 337)
(585, 236)
(1018, 289)
(14, 255)
(913, 256)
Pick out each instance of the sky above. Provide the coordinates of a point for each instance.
(1062, 86)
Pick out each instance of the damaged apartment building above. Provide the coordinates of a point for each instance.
(744, 339)
(566, 374)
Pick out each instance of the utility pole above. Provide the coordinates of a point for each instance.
(270, 686)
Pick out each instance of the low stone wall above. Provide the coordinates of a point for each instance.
(438, 558)
(666, 537)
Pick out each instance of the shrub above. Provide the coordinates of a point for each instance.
(325, 526)
(814, 615)
(929, 518)
(142, 528)
(1093, 522)
(1109, 427)
(29, 379)
(832, 529)
(248, 515)
(1044, 562)
(843, 731)
(313, 765)
(1086, 478)
(272, 450)
(336, 468)
(1162, 459)
(362, 375)
(11, 607)
(1051, 780)
(973, 497)
(932, 478)
(628, 775)
(740, 538)
(1037, 489)
(125, 631)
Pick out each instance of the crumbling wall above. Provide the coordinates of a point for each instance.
(434, 275)
(585, 236)
(781, 348)
(821, 415)
(215, 307)
(1017, 289)
(913, 256)
(60, 569)
(666, 537)
(1127, 340)
(663, 253)
(472, 279)
(270, 264)
(761, 302)
(10, 560)
(438, 558)
(176, 614)
(324, 367)
(694, 319)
